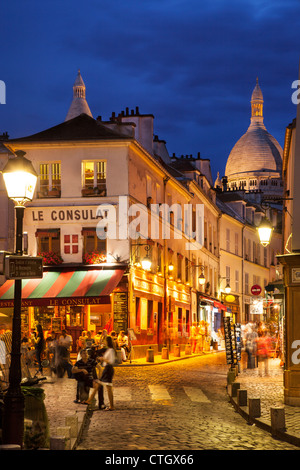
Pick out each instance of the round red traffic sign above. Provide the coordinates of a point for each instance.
(256, 289)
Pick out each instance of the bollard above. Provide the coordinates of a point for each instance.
(230, 377)
(254, 408)
(65, 432)
(278, 418)
(188, 349)
(118, 356)
(242, 397)
(165, 353)
(176, 351)
(233, 388)
(150, 355)
(72, 423)
(57, 443)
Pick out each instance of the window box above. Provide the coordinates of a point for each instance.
(97, 191)
(50, 258)
(94, 258)
(54, 193)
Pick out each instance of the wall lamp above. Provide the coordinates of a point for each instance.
(146, 261)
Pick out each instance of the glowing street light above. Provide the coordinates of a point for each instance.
(265, 230)
(20, 180)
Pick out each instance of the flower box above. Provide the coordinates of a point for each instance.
(50, 258)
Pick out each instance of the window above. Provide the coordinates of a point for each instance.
(70, 244)
(159, 258)
(227, 239)
(187, 270)
(150, 314)
(50, 180)
(91, 243)
(247, 283)
(48, 241)
(94, 178)
(179, 266)
(236, 281)
(236, 243)
(228, 275)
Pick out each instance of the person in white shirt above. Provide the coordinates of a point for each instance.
(108, 360)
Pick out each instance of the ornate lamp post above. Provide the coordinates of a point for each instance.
(20, 181)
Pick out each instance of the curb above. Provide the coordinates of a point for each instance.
(166, 361)
(261, 423)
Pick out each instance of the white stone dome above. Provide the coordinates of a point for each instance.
(257, 150)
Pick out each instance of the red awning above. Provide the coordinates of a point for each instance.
(219, 305)
(64, 288)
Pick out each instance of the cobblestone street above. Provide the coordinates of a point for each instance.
(177, 406)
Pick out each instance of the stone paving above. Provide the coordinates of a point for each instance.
(161, 425)
(270, 391)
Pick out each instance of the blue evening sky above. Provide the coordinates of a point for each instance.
(191, 63)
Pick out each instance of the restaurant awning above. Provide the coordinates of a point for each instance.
(64, 288)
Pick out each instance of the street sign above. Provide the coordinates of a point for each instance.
(256, 289)
(3, 255)
(23, 267)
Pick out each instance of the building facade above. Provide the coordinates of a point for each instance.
(109, 196)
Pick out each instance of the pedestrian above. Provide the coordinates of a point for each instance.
(81, 342)
(263, 351)
(108, 360)
(250, 345)
(39, 346)
(123, 345)
(51, 342)
(62, 359)
(84, 372)
(66, 341)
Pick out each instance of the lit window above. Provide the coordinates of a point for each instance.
(50, 180)
(48, 240)
(94, 178)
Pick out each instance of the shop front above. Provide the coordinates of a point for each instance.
(74, 300)
(146, 317)
(210, 323)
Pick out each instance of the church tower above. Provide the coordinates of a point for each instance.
(79, 104)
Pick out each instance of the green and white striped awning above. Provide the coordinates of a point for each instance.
(87, 287)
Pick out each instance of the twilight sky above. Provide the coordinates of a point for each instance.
(191, 63)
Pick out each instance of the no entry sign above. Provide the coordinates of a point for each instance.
(256, 289)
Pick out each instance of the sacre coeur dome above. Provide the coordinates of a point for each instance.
(257, 150)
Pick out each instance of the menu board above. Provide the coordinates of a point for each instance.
(120, 311)
(238, 338)
(231, 344)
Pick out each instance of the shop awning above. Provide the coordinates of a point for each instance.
(64, 288)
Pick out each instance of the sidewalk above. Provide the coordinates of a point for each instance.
(60, 396)
(270, 391)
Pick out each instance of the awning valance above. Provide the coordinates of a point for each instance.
(64, 288)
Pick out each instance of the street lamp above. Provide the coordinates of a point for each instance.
(20, 181)
(265, 230)
(227, 288)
